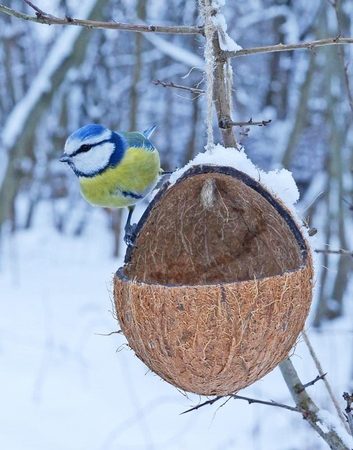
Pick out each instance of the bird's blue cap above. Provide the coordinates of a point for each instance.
(87, 132)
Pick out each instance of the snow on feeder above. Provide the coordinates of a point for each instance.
(218, 286)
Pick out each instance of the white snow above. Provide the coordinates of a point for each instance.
(64, 386)
(279, 182)
(225, 41)
(328, 422)
(218, 3)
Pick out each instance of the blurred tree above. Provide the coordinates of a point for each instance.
(20, 128)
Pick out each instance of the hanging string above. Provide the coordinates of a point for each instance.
(207, 9)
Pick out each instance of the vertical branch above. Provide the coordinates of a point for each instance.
(326, 383)
(222, 94)
(348, 410)
(219, 83)
(306, 404)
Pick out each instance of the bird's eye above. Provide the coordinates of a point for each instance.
(85, 148)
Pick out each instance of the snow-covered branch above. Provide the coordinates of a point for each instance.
(334, 435)
(349, 411)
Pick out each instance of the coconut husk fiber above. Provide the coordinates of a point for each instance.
(218, 285)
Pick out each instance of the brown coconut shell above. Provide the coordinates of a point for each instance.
(218, 285)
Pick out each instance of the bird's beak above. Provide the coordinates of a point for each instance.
(64, 158)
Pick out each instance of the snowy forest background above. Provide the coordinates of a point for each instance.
(63, 385)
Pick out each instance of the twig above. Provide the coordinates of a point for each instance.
(39, 12)
(341, 251)
(270, 403)
(201, 405)
(322, 374)
(350, 206)
(178, 86)
(109, 334)
(248, 399)
(48, 19)
(349, 399)
(224, 123)
(289, 47)
(315, 380)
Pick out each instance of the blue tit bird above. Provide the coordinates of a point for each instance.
(114, 169)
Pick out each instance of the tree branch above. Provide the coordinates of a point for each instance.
(248, 399)
(315, 380)
(323, 377)
(225, 124)
(289, 47)
(350, 206)
(264, 402)
(341, 251)
(38, 11)
(304, 405)
(178, 86)
(349, 399)
(308, 407)
(222, 94)
(201, 405)
(48, 19)
(254, 400)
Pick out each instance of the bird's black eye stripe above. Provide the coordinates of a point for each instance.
(84, 148)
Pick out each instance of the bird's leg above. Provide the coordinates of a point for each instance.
(163, 178)
(129, 229)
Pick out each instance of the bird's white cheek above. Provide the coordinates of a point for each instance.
(95, 159)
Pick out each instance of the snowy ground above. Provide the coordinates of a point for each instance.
(64, 386)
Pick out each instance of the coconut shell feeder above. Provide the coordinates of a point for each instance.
(218, 285)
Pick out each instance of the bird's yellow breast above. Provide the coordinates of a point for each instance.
(127, 183)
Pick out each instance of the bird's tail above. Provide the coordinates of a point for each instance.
(147, 133)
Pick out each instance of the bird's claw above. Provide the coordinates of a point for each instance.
(129, 240)
(129, 237)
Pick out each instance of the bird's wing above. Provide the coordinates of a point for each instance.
(138, 140)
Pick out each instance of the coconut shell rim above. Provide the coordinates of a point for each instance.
(124, 278)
